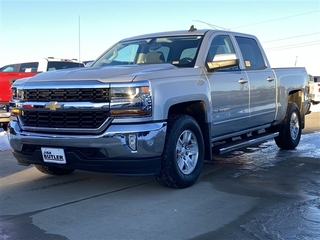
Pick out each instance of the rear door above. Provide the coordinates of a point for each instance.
(262, 104)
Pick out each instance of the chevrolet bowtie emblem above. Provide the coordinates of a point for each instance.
(52, 106)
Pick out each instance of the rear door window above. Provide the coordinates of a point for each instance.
(251, 53)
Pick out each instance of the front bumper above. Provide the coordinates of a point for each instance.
(107, 152)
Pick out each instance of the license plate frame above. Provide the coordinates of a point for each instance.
(53, 155)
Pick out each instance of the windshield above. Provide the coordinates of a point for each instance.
(177, 50)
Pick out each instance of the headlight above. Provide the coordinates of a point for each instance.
(13, 110)
(16, 94)
(132, 101)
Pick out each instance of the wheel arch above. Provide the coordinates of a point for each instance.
(297, 96)
(198, 110)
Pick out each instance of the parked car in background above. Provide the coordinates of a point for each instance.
(43, 65)
(314, 85)
(12, 72)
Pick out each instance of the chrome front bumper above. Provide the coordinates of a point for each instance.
(112, 147)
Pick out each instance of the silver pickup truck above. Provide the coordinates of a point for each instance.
(158, 104)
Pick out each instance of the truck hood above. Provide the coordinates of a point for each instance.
(103, 74)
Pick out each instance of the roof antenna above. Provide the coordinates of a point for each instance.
(213, 26)
(192, 29)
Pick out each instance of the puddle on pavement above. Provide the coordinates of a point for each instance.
(267, 154)
(22, 227)
(286, 184)
(287, 221)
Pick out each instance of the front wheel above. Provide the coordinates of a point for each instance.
(4, 126)
(53, 170)
(183, 154)
(290, 131)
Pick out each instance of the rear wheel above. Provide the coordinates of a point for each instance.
(53, 170)
(183, 155)
(290, 131)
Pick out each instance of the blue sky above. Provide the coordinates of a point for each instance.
(288, 30)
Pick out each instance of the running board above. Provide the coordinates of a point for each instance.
(231, 146)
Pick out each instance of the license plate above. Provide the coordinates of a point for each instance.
(53, 155)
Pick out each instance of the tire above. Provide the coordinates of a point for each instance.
(5, 126)
(53, 170)
(290, 130)
(183, 154)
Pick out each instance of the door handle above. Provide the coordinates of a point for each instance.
(270, 79)
(242, 81)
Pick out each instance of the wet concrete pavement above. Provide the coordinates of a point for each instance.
(259, 192)
(287, 191)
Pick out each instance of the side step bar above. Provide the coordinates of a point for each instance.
(231, 146)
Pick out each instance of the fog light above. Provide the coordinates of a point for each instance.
(132, 141)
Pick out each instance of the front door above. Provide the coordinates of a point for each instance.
(229, 92)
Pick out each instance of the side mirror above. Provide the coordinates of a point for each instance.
(222, 61)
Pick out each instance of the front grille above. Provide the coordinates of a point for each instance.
(67, 95)
(61, 119)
